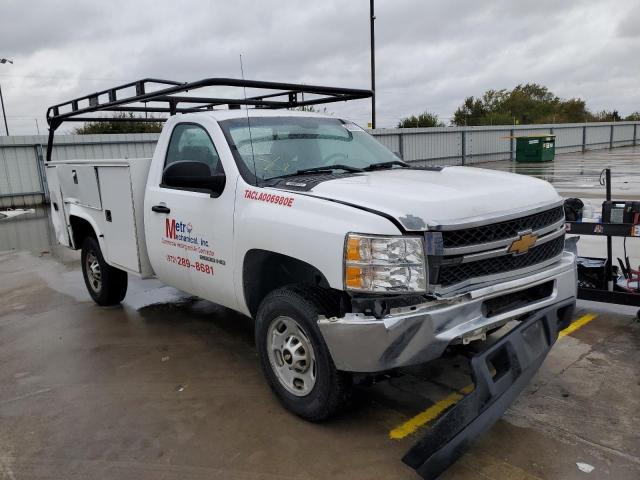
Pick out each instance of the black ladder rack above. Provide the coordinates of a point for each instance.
(153, 95)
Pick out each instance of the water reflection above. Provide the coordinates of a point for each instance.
(32, 232)
(544, 171)
(578, 174)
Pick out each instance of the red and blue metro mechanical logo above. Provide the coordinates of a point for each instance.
(181, 232)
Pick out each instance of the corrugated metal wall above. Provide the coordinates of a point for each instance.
(22, 174)
(22, 181)
(469, 145)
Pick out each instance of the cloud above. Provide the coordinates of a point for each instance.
(429, 55)
(629, 25)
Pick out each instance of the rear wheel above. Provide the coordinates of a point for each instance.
(107, 285)
(293, 355)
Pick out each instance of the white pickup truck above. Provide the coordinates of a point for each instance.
(347, 258)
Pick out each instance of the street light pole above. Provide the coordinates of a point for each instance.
(372, 18)
(4, 115)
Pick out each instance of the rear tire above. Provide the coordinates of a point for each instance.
(294, 356)
(107, 285)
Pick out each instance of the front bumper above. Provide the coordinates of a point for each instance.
(499, 374)
(360, 343)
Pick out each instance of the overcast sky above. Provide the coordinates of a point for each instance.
(429, 54)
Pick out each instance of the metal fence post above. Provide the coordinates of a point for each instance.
(512, 133)
(584, 139)
(44, 189)
(464, 146)
(611, 137)
(401, 145)
(635, 128)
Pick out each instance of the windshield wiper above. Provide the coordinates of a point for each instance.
(379, 166)
(328, 168)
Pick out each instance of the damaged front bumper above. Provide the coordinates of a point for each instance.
(499, 374)
(417, 334)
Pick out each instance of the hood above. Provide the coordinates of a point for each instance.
(420, 199)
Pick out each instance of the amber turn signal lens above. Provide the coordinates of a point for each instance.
(353, 277)
(353, 249)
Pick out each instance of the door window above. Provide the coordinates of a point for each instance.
(191, 142)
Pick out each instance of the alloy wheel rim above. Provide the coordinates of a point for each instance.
(291, 356)
(94, 273)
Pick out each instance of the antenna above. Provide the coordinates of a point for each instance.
(246, 108)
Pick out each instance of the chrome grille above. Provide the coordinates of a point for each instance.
(458, 258)
(501, 230)
(451, 274)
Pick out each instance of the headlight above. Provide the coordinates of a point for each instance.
(384, 264)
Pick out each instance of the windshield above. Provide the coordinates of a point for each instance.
(281, 146)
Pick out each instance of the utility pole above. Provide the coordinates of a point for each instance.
(4, 115)
(372, 18)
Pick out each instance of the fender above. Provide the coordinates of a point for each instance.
(79, 211)
(264, 271)
(311, 230)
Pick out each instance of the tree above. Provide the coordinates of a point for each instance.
(634, 117)
(472, 112)
(572, 111)
(425, 119)
(606, 116)
(528, 103)
(119, 126)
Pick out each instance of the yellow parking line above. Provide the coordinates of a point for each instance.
(431, 413)
(435, 410)
(581, 322)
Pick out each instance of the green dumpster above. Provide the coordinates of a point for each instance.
(535, 148)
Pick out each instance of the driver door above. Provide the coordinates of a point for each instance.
(191, 230)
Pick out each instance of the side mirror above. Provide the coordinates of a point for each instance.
(193, 176)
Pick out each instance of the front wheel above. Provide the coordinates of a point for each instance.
(107, 285)
(293, 355)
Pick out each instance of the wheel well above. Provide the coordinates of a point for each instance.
(264, 271)
(81, 229)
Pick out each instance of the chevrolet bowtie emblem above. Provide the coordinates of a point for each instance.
(523, 244)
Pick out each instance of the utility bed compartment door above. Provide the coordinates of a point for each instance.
(109, 194)
(58, 214)
(80, 184)
(119, 227)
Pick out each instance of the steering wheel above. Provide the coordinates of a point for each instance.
(331, 159)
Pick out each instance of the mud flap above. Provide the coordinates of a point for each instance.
(515, 359)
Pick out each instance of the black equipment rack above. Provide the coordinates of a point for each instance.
(608, 230)
(161, 96)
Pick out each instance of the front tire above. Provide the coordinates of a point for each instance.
(294, 356)
(107, 285)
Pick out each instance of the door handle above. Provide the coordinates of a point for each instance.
(160, 209)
